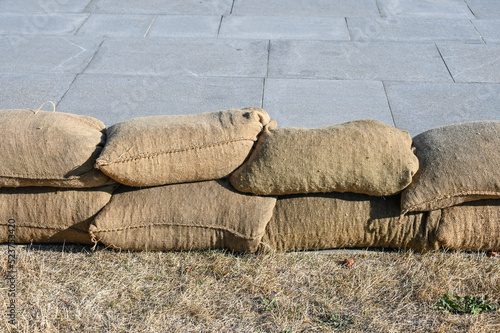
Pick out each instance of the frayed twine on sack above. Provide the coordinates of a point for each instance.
(94, 240)
(41, 106)
(266, 247)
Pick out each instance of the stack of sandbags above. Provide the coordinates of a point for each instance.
(345, 180)
(459, 171)
(50, 190)
(182, 157)
(210, 181)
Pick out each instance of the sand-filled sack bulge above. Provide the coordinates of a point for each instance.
(472, 226)
(364, 156)
(161, 150)
(190, 216)
(458, 163)
(41, 148)
(338, 220)
(50, 215)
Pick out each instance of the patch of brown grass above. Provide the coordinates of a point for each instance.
(72, 288)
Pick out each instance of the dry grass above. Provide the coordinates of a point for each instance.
(72, 288)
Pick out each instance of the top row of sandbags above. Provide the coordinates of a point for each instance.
(456, 163)
(55, 149)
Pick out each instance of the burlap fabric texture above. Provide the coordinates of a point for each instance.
(458, 163)
(472, 226)
(363, 156)
(41, 148)
(162, 150)
(350, 220)
(189, 216)
(49, 215)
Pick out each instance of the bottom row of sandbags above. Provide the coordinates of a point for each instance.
(213, 215)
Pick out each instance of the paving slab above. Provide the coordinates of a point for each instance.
(283, 27)
(485, 9)
(195, 7)
(204, 57)
(45, 54)
(187, 26)
(41, 24)
(114, 98)
(116, 25)
(488, 29)
(335, 8)
(425, 8)
(316, 103)
(472, 63)
(356, 61)
(45, 6)
(418, 107)
(20, 91)
(413, 30)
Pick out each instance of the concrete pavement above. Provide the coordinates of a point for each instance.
(413, 64)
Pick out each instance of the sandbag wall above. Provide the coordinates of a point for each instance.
(232, 179)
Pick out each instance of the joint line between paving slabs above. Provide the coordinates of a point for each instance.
(268, 56)
(470, 9)
(81, 25)
(149, 28)
(84, 9)
(232, 6)
(378, 8)
(69, 87)
(348, 30)
(83, 70)
(389, 104)
(262, 95)
(449, 72)
(92, 58)
(220, 25)
(478, 32)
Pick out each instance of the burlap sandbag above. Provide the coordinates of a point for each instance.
(363, 156)
(471, 226)
(458, 163)
(190, 216)
(41, 148)
(49, 215)
(347, 220)
(162, 150)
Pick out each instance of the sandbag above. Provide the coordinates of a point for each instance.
(458, 163)
(363, 156)
(473, 226)
(160, 150)
(41, 148)
(347, 220)
(49, 215)
(190, 216)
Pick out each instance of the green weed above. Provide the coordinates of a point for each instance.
(466, 304)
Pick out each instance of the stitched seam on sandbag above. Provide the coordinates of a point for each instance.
(451, 196)
(37, 227)
(28, 177)
(182, 225)
(179, 150)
